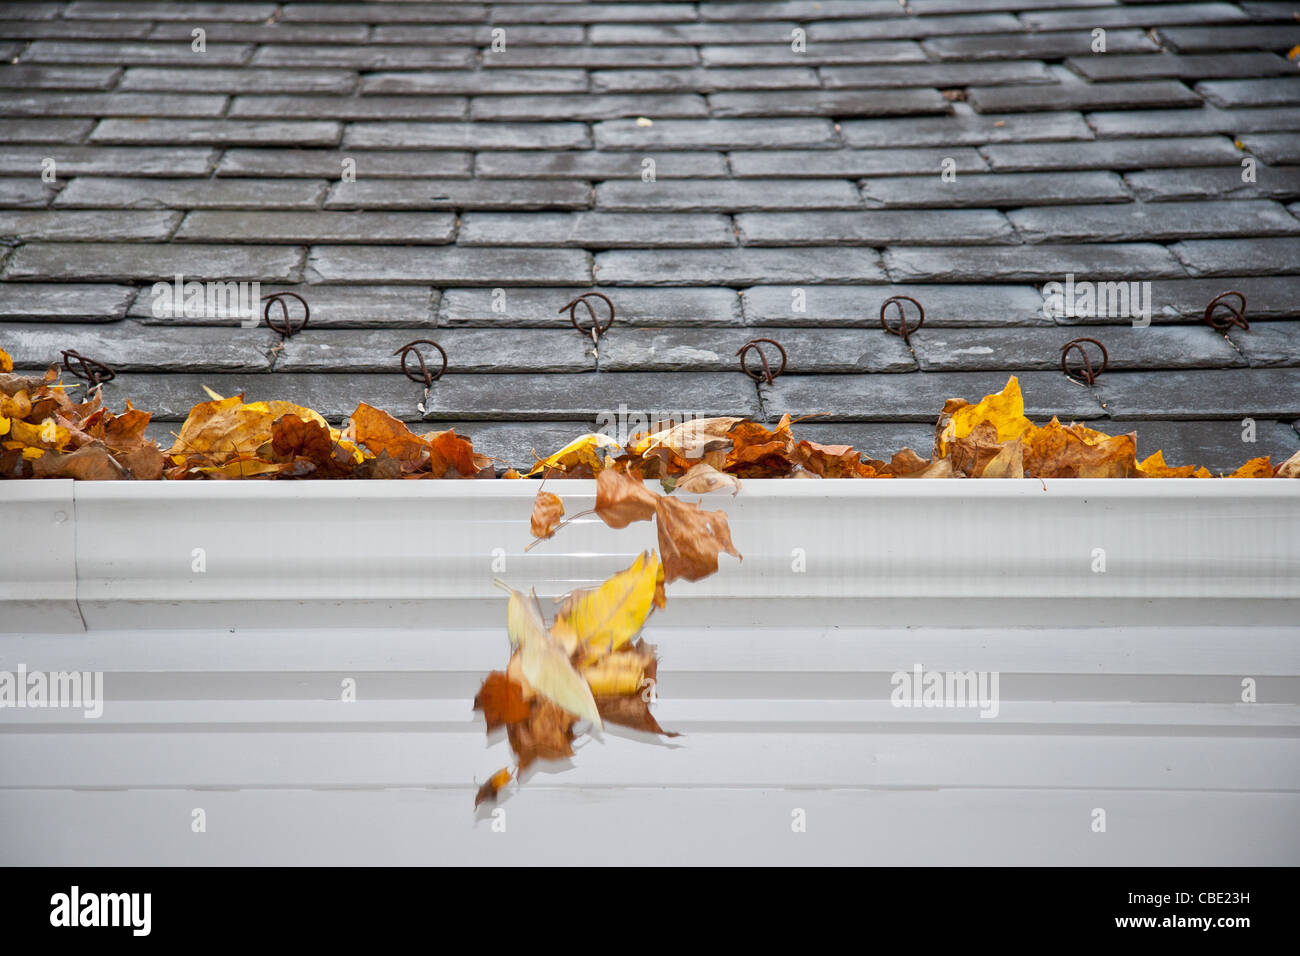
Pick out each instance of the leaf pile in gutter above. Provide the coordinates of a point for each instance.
(45, 434)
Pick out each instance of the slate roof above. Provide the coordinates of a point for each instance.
(774, 171)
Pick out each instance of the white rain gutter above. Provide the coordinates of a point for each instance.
(115, 555)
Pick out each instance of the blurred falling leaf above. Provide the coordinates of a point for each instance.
(690, 539)
(492, 789)
(548, 510)
(545, 665)
(595, 622)
(622, 499)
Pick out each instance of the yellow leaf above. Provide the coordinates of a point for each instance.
(545, 665)
(1005, 411)
(47, 433)
(584, 450)
(6, 363)
(619, 674)
(601, 620)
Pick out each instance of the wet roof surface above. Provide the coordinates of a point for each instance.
(722, 171)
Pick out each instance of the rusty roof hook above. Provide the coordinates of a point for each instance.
(1085, 375)
(757, 345)
(1237, 314)
(89, 370)
(289, 329)
(903, 330)
(596, 330)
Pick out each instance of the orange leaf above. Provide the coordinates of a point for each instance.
(548, 509)
(621, 499)
(492, 789)
(501, 700)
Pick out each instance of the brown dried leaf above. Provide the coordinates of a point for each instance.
(703, 479)
(492, 789)
(548, 510)
(622, 499)
(501, 700)
(690, 539)
(547, 734)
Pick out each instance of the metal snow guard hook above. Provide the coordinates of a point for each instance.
(596, 330)
(903, 330)
(288, 330)
(1237, 314)
(89, 370)
(757, 345)
(1087, 374)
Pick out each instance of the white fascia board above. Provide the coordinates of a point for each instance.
(424, 553)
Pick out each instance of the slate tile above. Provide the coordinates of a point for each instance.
(872, 439)
(875, 227)
(946, 306)
(459, 194)
(364, 57)
(715, 350)
(100, 10)
(918, 397)
(93, 192)
(147, 262)
(941, 75)
(22, 76)
(703, 80)
(594, 164)
(1273, 148)
(415, 228)
(332, 307)
(328, 163)
(1081, 96)
(136, 53)
(854, 163)
(1136, 222)
(67, 29)
(1142, 15)
(1045, 263)
(799, 10)
(170, 396)
(25, 193)
(816, 54)
(108, 160)
(1268, 344)
(435, 12)
(112, 104)
(1035, 46)
(1214, 182)
(597, 230)
(350, 108)
(1194, 66)
(994, 190)
(1115, 154)
(64, 226)
(909, 27)
(238, 80)
(1156, 347)
(468, 351)
(688, 34)
(737, 267)
(1202, 394)
(728, 195)
(492, 81)
(35, 11)
(966, 128)
(1268, 9)
(478, 34)
(928, 7)
(129, 347)
(219, 132)
(44, 130)
(448, 265)
(1274, 36)
(64, 302)
(593, 57)
(584, 397)
(717, 134)
(895, 102)
(585, 106)
(1274, 91)
(533, 308)
(1208, 119)
(266, 32)
(1208, 257)
(569, 12)
(395, 135)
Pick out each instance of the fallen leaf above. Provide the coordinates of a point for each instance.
(596, 621)
(1005, 411)
(1255, 468)
(544, 663)
(1289, 468)
(688, 441)
(548, 510)
(584, 452)
(1075, 451)
(1154, 467)
(547, 734)
(622, 499)
(492, 789)
(501, 701)
(88, 463)
(690, 539)
(704, 479)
